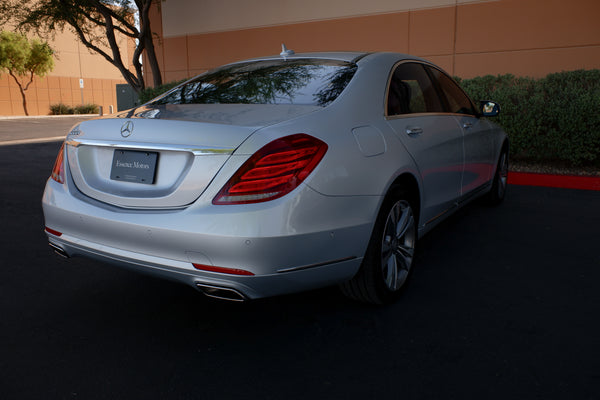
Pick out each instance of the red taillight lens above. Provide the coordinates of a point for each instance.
(58, 172)
(273, 171)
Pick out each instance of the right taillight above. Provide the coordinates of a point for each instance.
(273, 171)
(58, 172)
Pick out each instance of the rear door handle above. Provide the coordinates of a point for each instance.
(413, 130)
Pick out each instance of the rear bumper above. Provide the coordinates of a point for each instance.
(248, 287)
(287, 248)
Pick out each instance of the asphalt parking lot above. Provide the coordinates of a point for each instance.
(503, 304)
(37, 128)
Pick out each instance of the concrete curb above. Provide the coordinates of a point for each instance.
(557, 181)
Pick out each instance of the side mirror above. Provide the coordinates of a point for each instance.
(489, 108)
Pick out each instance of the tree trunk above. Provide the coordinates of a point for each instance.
(154, 67)
(24, 102)
(22, 92)
(147, 43)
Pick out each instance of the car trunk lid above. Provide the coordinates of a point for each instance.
(164, 156)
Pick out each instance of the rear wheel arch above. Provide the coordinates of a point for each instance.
(407, 184)
(390, 253)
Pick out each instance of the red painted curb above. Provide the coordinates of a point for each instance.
(557, 181)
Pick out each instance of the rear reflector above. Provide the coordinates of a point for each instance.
(273, 171)
(53, 232)
(222, 270)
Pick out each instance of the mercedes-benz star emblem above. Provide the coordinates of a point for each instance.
(127, 129)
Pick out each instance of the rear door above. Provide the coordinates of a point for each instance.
(434, 139)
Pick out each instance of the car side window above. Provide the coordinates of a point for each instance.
(456, 101)
(411, 91)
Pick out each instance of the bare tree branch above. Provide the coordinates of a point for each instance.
(97, 24)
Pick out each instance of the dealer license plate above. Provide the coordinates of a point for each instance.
(134, 166)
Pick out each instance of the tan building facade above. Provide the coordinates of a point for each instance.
(468, 38)
(74, 66)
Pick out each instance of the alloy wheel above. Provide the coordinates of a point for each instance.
(398, 245)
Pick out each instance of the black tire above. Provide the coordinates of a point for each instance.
(390, 254)
(498, 191)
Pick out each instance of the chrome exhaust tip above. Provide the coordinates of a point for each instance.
(221, 293)
(58, 250)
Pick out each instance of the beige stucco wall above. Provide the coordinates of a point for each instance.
(467, 38)
(74, 59)
(183, 17)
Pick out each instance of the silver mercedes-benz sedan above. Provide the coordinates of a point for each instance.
(278, 174)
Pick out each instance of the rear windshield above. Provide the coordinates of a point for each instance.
(303, 82)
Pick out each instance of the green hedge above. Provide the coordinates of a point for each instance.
(551, 120)
(61, 109)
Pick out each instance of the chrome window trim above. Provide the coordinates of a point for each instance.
(438, 114)
(196, 150)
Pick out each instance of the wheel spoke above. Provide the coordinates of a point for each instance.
(405, 223)
(390, 232)
(392, 272)
(394, 217)
(386, 249)
(387, 253)
(405, 254)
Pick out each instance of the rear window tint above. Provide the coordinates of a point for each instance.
(456, 99)
(411, 91)
(303, 82)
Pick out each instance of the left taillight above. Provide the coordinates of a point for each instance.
(273, 171)
(58, 172)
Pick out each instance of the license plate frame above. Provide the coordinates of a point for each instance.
(134, 166)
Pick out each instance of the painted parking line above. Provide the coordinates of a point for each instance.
(37, 140)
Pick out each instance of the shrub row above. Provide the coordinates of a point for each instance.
(551, 120)
(61, 109)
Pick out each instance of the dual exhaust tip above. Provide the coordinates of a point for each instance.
(221, 293)
(59, 250)
(216, 292)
